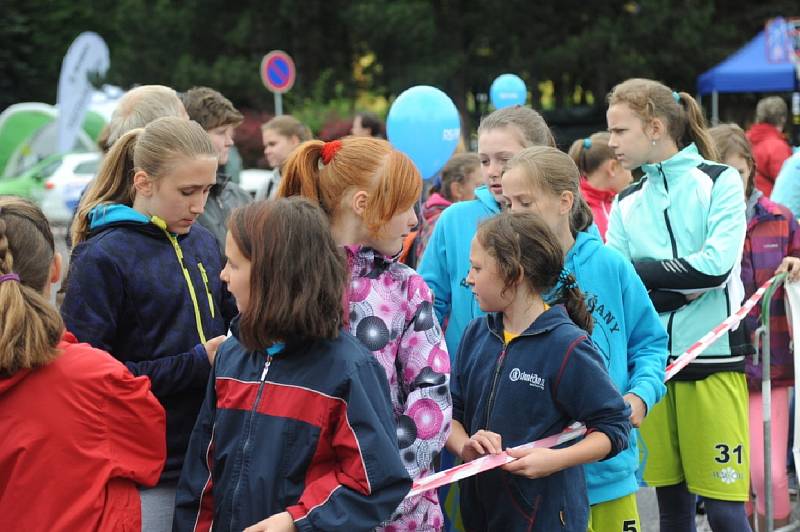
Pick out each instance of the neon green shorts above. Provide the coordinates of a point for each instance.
(699, 434)
(619, 515)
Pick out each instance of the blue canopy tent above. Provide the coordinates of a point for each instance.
(747, 70)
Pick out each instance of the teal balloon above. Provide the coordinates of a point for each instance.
(423, 123)
(508, 90)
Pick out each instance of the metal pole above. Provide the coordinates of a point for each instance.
(766, 404)
(278, 103)
(714, 108)
(763, 340)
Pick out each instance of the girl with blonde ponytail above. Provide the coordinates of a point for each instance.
(66, 406)
(683, 227)
(368, 190)
(144, 278)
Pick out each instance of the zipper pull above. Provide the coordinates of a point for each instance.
(266, 369)
(208, 288)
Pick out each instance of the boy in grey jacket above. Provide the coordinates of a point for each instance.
(219, 118)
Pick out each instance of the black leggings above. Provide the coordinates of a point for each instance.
(676, 508)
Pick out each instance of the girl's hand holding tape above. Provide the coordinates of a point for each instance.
(481, 443)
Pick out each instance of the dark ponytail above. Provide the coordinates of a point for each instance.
(573, 299)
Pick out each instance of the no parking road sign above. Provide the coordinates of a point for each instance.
(277, 71)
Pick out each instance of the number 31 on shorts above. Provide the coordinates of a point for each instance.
(726, 453)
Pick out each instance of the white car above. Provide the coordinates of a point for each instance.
(252, 180)
(63, 188)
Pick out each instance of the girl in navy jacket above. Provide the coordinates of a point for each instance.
(144, 280)
(296, 431)
(524, 372)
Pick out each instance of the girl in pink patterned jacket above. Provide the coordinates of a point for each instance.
(368, 189)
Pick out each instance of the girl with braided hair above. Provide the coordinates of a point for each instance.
(526, 371)
(67, 407)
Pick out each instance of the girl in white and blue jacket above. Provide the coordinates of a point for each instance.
(524, 372)
(683, 226)
(626, 331)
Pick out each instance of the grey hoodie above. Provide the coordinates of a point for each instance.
(225, 196)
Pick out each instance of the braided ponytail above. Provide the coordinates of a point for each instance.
(30, 327)
(572, 298)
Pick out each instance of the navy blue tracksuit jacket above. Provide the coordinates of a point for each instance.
(128, 293)
(536, 386)
(308, 430)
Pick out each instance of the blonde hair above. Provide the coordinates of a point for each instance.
(154, 149)
(591, 152)
(30, 327)
(140, 106)
(525, 120)
(456, 170)
(730, 140)
(553, 170)
(366, 163)
(288, 126)
(683, 117)
(772, 110)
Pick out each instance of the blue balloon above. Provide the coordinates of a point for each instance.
(507, 90)
(423, 123)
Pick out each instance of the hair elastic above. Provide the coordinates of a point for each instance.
(329, 149)
(567, 280)
(587, 143)
(676, 96)
(9, 277)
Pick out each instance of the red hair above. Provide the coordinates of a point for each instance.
(390, 179)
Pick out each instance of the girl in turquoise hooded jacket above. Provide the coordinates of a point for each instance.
(627, 332)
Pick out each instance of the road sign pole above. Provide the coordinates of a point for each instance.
(277, 73)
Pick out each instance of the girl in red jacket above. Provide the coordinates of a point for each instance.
(68, 410)
(602, 176)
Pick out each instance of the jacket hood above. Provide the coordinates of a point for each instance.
(437, 200)
(434, 206)
(7, 382)
(367, 262)
(762, 131)
(763, 209)
(114, 213)
(586, 244)
(547, 320)
(483, 195)
(594, 195)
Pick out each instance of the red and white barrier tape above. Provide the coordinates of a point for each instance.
(485, 463)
